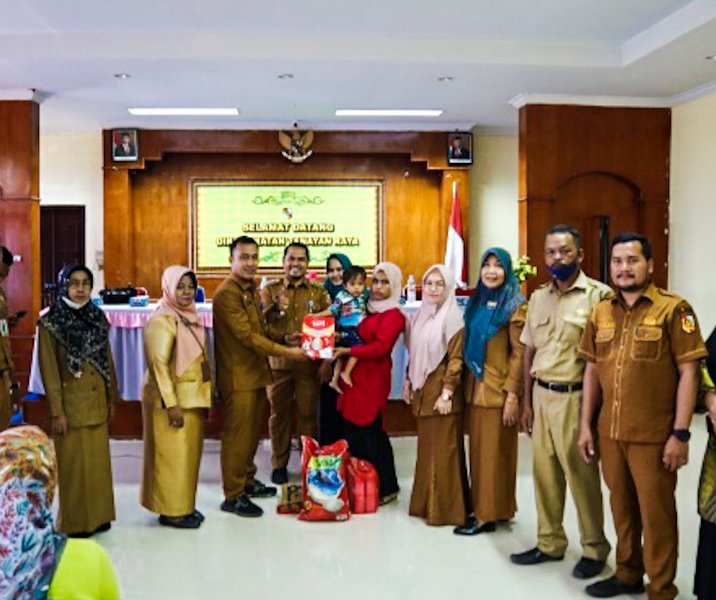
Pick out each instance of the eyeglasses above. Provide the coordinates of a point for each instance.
(435, 284)
(73, 283)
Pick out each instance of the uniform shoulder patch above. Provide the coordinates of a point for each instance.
(688, 321)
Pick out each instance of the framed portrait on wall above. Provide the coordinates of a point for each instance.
(459, 148)
(125, 145)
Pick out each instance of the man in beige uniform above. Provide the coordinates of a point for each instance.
(8, 387)
(295, 382)
(242, 373)
(556, 317)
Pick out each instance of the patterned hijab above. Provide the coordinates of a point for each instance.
(331, 287)
(395, 276)
(29, 547)
(190, 340)
(431, 328)
(83, 330)
(488, 310)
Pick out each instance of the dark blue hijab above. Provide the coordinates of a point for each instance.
(488, 310)
(332, 288)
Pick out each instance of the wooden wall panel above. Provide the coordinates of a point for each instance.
(20, 220)
(559, 144)
(147, 202)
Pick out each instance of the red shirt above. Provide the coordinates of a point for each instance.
(371, 377)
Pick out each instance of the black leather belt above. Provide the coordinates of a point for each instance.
(563, 388)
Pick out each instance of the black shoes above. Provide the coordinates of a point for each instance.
(242, 506)
(608, 588)
(587, 568)
(535, 556)
(471, 527)
(191, 521)
(258, 489)
(279, 476)
(103, 527)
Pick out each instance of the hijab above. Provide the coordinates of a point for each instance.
(488, 310)
(29, 547)
(331, 287)
(395, 276)
(190, 340)
(431, 328)
(82, 330)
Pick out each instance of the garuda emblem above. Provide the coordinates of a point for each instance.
(297, 145)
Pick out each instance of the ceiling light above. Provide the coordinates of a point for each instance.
(711, 57)
(122, 75)
(184, 112)
(387, 112)
(285, 76)
(445, 79)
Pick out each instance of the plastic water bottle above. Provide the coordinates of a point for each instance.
(411, 296)
(264, 281)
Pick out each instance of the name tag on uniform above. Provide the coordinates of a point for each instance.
(4, 329)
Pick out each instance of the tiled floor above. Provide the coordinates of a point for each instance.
(388, 555)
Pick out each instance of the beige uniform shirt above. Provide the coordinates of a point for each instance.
(446, 376)
(554, 326)
(304, 298)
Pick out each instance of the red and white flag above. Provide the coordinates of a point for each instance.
(455, 247)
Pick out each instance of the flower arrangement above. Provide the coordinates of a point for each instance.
(523, 269)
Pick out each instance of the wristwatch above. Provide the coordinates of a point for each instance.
(683, 435)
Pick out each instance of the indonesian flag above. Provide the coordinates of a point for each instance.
(455, 247)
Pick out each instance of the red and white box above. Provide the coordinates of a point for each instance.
(318, 336)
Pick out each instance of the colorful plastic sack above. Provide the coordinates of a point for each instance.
(363, 487)
(324, 472)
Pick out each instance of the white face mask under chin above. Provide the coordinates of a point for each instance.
(74, 305)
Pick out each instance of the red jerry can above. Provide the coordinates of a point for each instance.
(363, 491)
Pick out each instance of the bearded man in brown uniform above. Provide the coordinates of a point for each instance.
(8, 387)
(642, 349)
(242, 373)
(295, 382)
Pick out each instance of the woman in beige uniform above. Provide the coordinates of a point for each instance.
(434, 341)
(176, 396)
(493, 353)
(80, 385)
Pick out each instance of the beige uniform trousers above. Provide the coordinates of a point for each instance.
(243, 415)
(5, 405)
(556, 464)
(292, 389)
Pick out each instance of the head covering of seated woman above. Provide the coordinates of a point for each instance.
(29, 547)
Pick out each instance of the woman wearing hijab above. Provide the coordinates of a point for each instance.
(176, 396)
(35, 561)
(434, 340)
(494, 319)
(363, 404)
(330, 422)
(80, 385)
(705, 576)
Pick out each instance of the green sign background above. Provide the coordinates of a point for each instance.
(328, 217)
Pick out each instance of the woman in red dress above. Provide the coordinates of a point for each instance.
(364, 403)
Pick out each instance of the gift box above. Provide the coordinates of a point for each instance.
(318, 336)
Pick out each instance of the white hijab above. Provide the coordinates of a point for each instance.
(395, 276)
(431, 328)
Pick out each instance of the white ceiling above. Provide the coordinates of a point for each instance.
(348, 54)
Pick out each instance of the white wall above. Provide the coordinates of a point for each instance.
(494, 214)
(71, 174)
(692, 244)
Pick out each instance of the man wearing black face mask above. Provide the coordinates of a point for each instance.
(556, 317)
